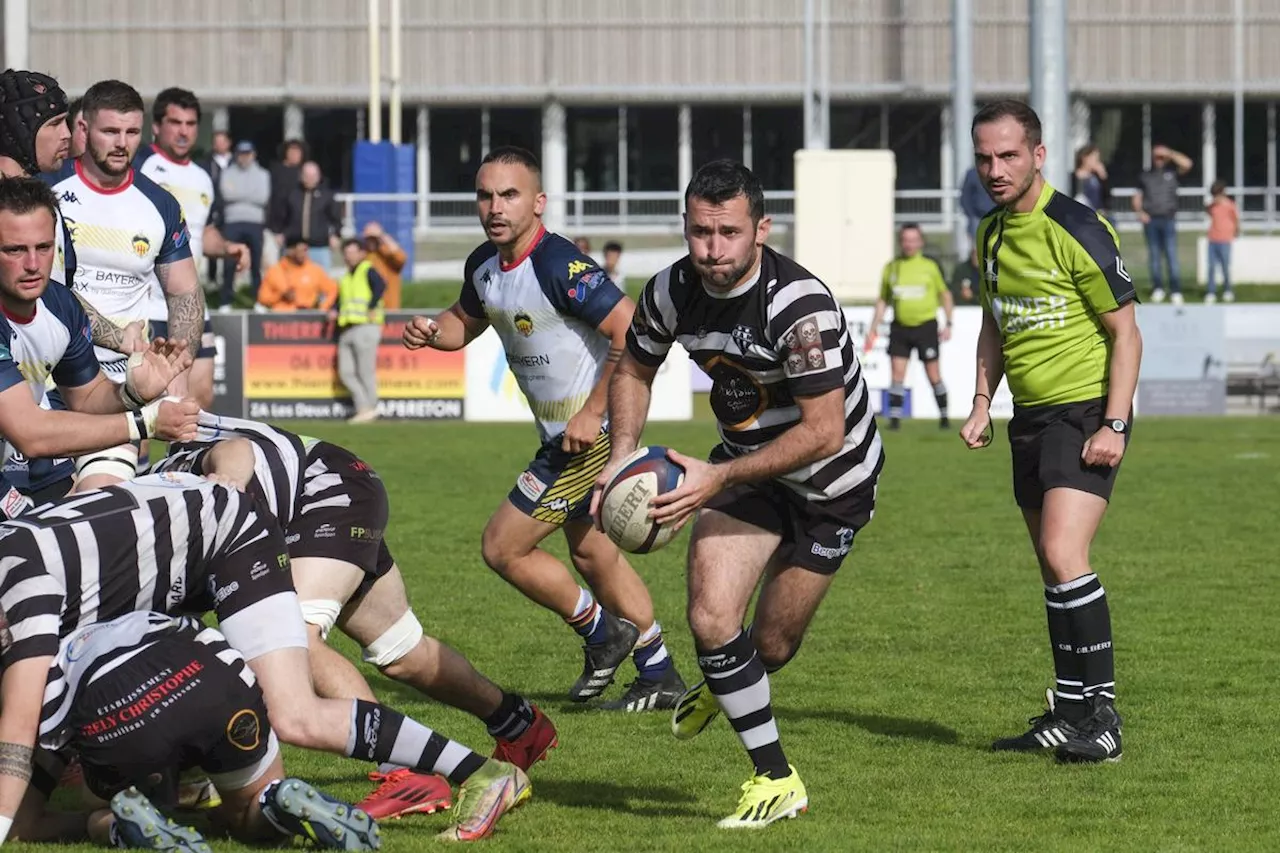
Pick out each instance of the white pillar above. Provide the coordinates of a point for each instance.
(1271, 162)
(1081, 118)
(957, 148)
(395, 108)
(555, 164)
(375, 73)
(684, 146)
(1050, 86)
(423, 167)
(1238, 116)
(624, 165)
(294, 121)
(222, 119)
(817, 72)
(748, 154)
(1146, 135)
(484, 129)
(950, 181)
(17, 34)
(1208, 144)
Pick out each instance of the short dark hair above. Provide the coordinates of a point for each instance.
(73, 112)
(25, 195)
(292, 240)
(910, 226)
(613, 246)
(722, 180)
(354, 241)
(183, 99)
(513, 155)
(1016, 110)
(1219, 186)
(110, 95)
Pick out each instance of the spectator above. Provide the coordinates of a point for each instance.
(312, 212)
(245, 190)
(218, 160)
(297, 283)
(1089, 179)
(1156, 204)
(612, 256)
(388, 261)
(583, 244)
(284, 178)
(359, 315)
(975, 204)
(1224, 227)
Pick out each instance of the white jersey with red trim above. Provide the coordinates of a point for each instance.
(191, 185)
(119, 236)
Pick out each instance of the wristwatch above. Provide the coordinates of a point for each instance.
(1117, 426)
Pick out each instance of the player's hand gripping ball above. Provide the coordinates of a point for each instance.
(624, 500)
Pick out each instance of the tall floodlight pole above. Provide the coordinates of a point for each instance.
(1050, 89)
(375, 73)
(810, 66)
(1238, 114)
(961, 107)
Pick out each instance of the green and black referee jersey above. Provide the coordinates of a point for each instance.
(914, 287)
(1047, 277)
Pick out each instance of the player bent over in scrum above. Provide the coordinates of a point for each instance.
(334, 509)
(792, 481)
(145, 695)
(179, 543)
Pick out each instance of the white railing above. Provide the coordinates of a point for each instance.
(659, 212)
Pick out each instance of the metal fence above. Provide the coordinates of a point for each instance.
(659, 212)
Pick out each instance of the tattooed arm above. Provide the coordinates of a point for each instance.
(21, 698)
(584, 427)
(182, 293)
(110, 336)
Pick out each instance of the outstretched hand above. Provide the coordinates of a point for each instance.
(152, 370)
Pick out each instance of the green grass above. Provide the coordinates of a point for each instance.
(931, 643)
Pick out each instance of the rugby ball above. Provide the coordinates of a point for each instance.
(624, 501)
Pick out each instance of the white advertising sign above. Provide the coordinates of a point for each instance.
(493, 395)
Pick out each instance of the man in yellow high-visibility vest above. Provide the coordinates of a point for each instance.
(359, 315)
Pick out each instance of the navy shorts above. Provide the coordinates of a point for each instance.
(556, 486)
(160, 329)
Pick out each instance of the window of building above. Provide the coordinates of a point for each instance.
(717, 133)
(455, 149)
(592, 136)
(777, 132)
(653, 142)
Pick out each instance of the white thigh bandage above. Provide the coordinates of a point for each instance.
(396, 642)
(323, 614)
(119, 462)
(238, 780)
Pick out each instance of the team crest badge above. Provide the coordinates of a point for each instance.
(204, 200)
(141, 245)
(524, 324)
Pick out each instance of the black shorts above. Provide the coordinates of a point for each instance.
(208, 348)
(923, 339)
(173, 706)
(351, 532)
(1047, 441)
(556, 486)
(816, 535)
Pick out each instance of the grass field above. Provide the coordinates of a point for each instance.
(931, 643)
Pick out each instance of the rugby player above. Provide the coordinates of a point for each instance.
(1059, 324)
(914, 284)
(563, 325)
(175, 543)
(175, 123)
(127, 234)
(790, 485)
(44, 338)
(147, 695)
(334, 510)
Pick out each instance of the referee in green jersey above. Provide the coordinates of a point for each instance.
(914, 284)
(1058, 323)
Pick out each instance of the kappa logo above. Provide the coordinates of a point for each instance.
(69, 197)
(1121, 271)
(578, 266)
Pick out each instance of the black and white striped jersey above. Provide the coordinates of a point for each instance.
(95, 650)
(778, 337)
(144, 545)
(280, 459)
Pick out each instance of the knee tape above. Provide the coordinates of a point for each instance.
(118, 462)
(323, 614)
(396, 642)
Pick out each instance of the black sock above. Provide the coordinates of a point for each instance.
(1091, 639)
(385, 736)
(512, 719)
(1068, 692)
(736, 677)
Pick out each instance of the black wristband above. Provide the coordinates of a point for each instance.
(141, 423)
(984, 396)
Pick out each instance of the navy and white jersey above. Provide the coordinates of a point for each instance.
(97, 649)
(770, 340)
(280, 459)
(546, 308)
(119, 236)
(54, 344)
(190, 184)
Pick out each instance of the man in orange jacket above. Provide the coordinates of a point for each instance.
(297, 283)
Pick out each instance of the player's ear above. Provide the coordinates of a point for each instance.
(1038, 153)
(539, 203)
(762, 229)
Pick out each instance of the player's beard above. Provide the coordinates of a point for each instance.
(726, 280)
(1023, 189)
(100, 159)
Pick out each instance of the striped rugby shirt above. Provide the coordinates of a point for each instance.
(777, 337)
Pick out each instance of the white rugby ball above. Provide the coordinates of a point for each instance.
(624, 502)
